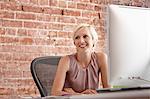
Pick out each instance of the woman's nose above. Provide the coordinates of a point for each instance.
(82, 40)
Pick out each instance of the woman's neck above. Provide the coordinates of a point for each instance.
(84, 58)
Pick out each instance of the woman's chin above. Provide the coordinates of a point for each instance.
(84, 50)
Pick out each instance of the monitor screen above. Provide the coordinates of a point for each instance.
(129, 45)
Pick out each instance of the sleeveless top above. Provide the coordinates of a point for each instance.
(80, 79)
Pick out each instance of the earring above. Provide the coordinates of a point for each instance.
(93, 45)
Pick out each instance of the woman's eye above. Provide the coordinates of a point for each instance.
(77, 37)
(85, 36)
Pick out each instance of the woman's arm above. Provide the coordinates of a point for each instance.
(63, 67)
(102, 62)
(58, 84)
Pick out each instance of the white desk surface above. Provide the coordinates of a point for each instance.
(132, 94)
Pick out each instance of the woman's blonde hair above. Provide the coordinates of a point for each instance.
(90, 29)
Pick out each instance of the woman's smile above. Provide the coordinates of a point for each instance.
(83, 45)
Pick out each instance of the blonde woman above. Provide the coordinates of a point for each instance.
(83, 71)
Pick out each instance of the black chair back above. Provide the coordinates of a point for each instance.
(43, 70)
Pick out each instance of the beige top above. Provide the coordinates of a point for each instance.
(80, 79)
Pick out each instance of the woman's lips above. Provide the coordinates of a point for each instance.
(82, 45)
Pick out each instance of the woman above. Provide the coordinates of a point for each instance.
(84, 71)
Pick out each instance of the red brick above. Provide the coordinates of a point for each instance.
(52, 34)
(35, 9)
(32, 33)
(37, 25)
(70, 34)
(85, 1)
(5, 48)
(34, 49)
(6, 91)
(56, 26)
(12, 48)
(72, 5)
(23, 82)
(9, 40)
(22, 32)
(51, 41)
(2, 31)
(137, 3)
(63, 50)
(35, 2)
(46, 26)
(24, 65)
(11, 6)
(83, 20)
(97, 8)
(1, 22)
(10, 31)
(26, 41)
(3, 67)
(85, 6)
(12, 74)
(12, 66)
(5, 56)
(64, 19)
(22, 57)
(66, 42)
(26, 74)
(26, 90)
(89, 14)
(96, 22)
(68, 28)
(43, 2)
(81, 6)
(53, 2)
(62, 4)
(40, 41)
(25, 16)
(53, 11)
(102, 22)
(24, 86)
(43, 33)
(6, 14)
(1, 75)
(72, 13)
(20, 1)
(9, 23)
(62, 34)
(44, 17)
(126, 2)
(95, 1)
(104, 9)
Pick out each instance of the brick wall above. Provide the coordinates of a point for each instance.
(33, 28)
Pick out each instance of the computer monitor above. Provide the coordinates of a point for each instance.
(129, 45)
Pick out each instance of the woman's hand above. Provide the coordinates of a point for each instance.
(89, 91)
(71, 91)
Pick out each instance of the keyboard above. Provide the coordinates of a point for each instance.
(122, 89)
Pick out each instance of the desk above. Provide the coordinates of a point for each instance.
(134, 94)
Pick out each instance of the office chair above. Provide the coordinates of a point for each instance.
(43, 71)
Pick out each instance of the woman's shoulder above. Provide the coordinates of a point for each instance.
(64, 63)
(101, 54)
(67, 57)
(102, 58)
(66, 60)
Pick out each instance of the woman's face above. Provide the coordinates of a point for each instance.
(83, 40)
